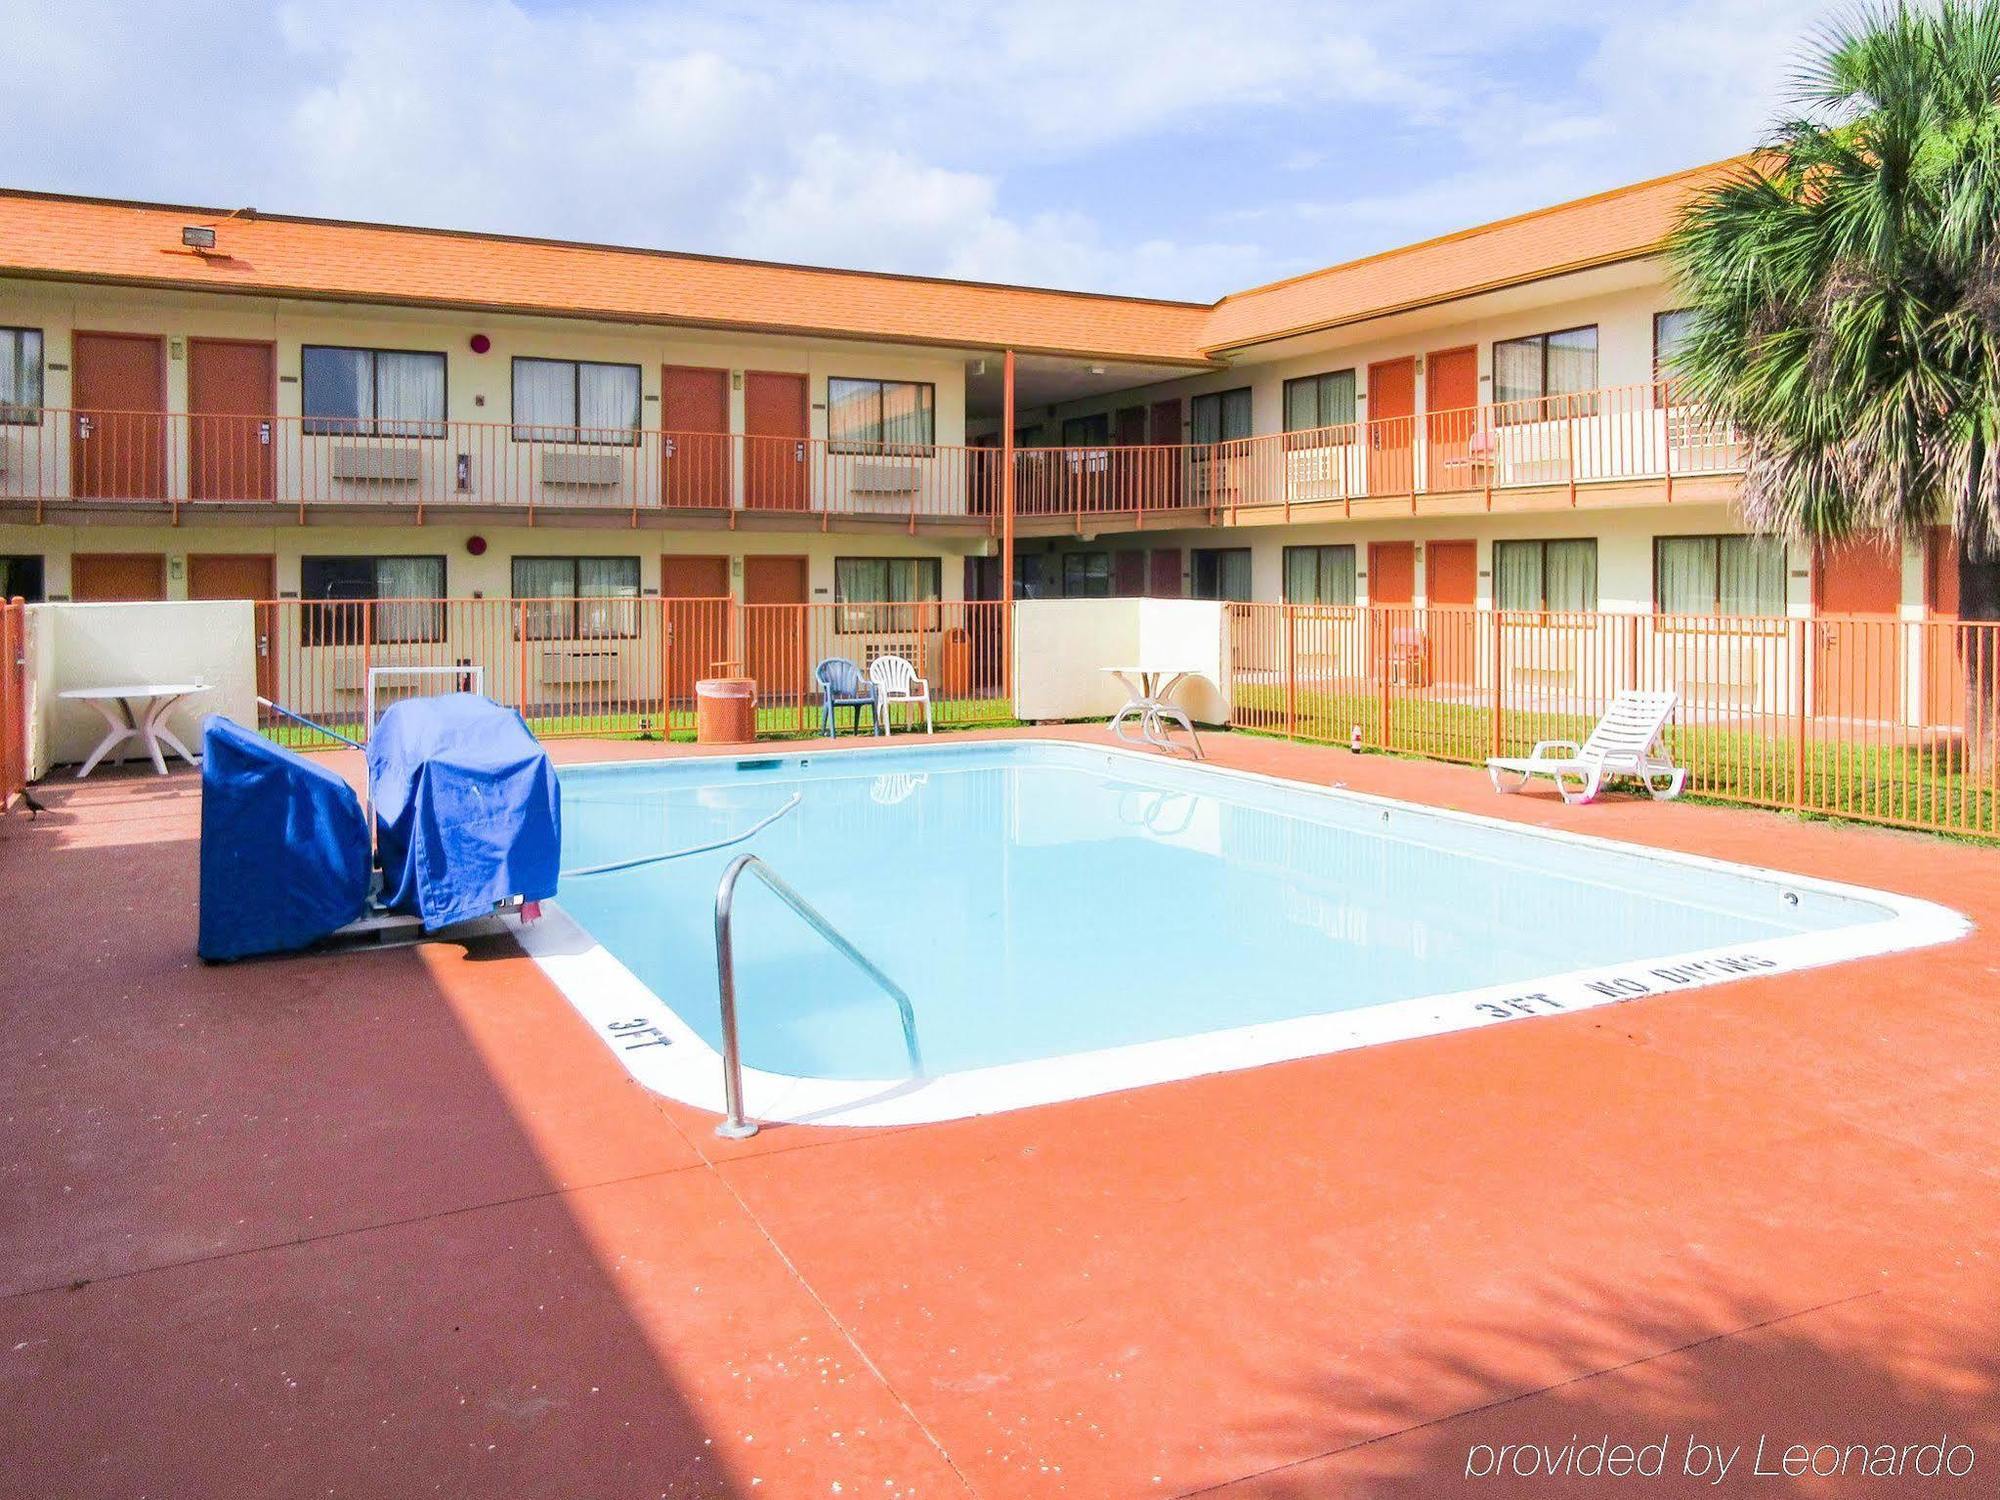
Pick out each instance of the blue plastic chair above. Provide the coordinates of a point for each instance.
(843, 685)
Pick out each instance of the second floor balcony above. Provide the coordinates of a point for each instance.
(1598, 444)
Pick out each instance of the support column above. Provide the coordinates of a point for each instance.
(1007, 524)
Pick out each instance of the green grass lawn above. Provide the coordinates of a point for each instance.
(776, 722)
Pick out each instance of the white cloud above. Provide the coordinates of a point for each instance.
(1041, 141)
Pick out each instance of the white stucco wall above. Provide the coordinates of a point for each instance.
(1063, 646)
(101, 645)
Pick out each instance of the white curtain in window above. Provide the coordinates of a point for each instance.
(552, 578)
(1670, 336)
(1570, 580)
(1517, 370)
(608, 591)
(853, 413)
(608, 402)
(544, 400)
(1572, 363)
(20, 373)
(906, 416)
(409, 394)
(404, 579)
(1687, 575)
(1517, 575)
(1752, 580)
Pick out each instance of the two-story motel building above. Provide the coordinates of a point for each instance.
(205, 403)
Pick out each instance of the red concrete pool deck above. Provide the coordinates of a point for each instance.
(396, 1223)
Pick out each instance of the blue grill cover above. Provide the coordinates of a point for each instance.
(467, 809)
(284, 847)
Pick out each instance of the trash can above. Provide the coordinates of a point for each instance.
(725, 710)
(955, 664)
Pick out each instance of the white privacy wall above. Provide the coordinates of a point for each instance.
(105, 645)
(1062, 647)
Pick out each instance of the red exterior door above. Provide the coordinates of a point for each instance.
(1163, 421)
(1392, 573)
(1165, 573)
(1451, 404)
(117, 577)
(118, 431)
(1392, 408)
(232, 438)
(1128, 575)
(774, 443)
(1857, 593)
(1451, 594)
(240, 575)
(694, 443)
(695, 596)
(774, 640)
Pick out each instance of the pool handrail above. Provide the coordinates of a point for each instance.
(734, 1126)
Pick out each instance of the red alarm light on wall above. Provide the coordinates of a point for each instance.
(481, 343)
(476, 545)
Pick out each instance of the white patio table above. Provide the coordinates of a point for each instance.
(1149, 694)
(136, 710)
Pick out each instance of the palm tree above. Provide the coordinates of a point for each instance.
(1845, 283)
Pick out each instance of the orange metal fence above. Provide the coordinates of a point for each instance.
(596, 666)
(1887, 720)
(174, 459)
(13, 701)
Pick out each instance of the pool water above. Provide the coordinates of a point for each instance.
(1042, 901)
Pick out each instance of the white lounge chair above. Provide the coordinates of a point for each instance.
(896, 681)
(1626, 742)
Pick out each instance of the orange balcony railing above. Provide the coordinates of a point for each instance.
(173, 459)
(178, 459)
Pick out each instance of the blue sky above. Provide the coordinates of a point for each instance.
(1164, 148)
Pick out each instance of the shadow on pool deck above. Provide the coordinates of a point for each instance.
(397, 1223)
(357, 1225)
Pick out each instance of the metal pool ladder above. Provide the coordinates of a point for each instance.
(734, 1127)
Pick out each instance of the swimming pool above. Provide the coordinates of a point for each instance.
(1069, 919)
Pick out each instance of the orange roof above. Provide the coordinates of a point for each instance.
(1621, 224)
(91, 239)
(95, 240)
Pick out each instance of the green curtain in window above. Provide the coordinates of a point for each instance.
(1235, 579)
(1687, 575)
(1301, 575)
(1752, 576)
(1517, 575)
(1570, 574)
(1301, 405)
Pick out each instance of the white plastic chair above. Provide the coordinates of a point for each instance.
(896, 681)
(1626, 742)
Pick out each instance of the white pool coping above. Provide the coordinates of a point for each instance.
(665, 1054)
